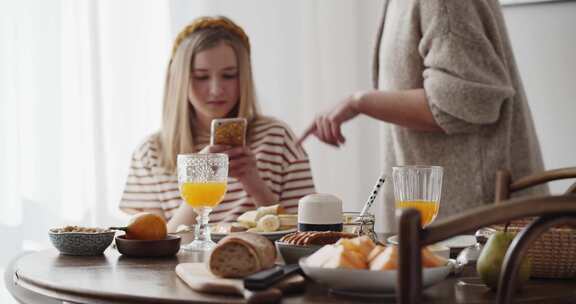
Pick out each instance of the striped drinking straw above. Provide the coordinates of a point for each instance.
(373, 195)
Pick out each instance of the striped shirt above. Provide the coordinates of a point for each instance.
(282, 164)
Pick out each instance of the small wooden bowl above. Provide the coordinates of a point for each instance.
(157, 248)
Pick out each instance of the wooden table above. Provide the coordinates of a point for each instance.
(113, 278)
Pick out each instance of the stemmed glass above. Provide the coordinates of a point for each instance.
(418, 187)
(202, 180)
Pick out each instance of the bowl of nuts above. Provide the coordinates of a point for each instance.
(75, 240)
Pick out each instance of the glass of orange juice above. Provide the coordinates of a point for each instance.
(202, 180)
(418, 187)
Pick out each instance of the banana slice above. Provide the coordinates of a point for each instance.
(268, 223)
(248, 219)
(273, 209)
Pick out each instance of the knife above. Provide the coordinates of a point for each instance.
(266, 278)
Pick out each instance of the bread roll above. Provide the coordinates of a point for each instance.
(241, 254)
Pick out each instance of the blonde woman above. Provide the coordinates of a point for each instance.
(450, 94)
(210, 76)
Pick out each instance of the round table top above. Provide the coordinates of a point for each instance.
(113, 278)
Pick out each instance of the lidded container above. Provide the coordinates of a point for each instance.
(320, 212)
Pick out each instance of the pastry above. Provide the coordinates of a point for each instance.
(307, 238)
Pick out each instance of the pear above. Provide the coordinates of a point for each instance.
(145, 226)
(490, 261)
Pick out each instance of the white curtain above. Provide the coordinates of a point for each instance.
(81, 85)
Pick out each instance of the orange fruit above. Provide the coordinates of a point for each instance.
(146, 226)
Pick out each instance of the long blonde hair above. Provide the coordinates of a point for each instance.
(176, 135)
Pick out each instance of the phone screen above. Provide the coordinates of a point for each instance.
(228, 131)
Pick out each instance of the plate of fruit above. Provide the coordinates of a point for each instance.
(269, 221)
(358, 265)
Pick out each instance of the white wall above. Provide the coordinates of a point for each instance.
(544, 41)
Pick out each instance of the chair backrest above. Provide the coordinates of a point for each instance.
(551, 210)
(505, 186)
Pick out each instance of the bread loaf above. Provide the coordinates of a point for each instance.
(241, 254)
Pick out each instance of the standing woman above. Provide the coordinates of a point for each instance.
(210, 76)
(450, 94)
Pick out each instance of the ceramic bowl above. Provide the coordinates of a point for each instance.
(81, 243)
(292, 253)
(156, 248)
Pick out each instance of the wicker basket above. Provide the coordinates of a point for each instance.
(553, 254)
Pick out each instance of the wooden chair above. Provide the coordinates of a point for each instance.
(505, 186)
(557, 242)
(550, 210)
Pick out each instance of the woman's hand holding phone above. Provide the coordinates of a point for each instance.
(243, 166)
(241, 161)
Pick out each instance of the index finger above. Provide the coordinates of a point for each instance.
(306, 133)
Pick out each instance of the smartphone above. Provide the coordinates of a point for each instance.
(228, 131)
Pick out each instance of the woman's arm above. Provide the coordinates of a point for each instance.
(408, 108)
(244, 168)
(258, 190)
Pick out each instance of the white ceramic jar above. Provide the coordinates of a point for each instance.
(320, 212)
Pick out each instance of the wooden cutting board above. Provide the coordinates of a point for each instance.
(200, 279)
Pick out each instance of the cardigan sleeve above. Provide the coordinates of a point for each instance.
(465, 78)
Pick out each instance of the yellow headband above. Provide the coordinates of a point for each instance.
(211, 22)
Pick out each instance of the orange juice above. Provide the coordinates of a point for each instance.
(428, 209)
(203, 195)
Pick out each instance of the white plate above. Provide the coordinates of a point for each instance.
(458, 242)
(368, 281)
(273, 236)
(438, 249)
